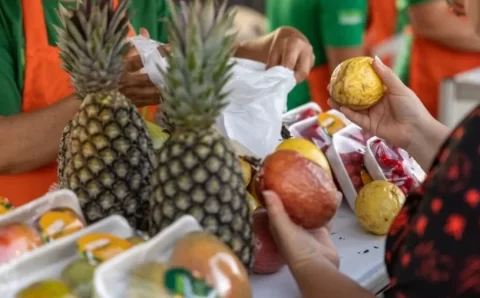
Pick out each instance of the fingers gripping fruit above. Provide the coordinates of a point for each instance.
(267, 257)
(307, 191)
(377, 204)
(355, 84)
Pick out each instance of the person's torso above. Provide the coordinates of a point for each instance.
(145, 13)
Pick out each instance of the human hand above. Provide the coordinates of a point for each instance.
(399, 111)
(291, 49)
(135, 84)
(297, 245)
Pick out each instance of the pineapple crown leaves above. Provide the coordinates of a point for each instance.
(93, 44)
(199, 65)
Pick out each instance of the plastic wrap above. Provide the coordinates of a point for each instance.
(393, 164)
(346, 160)
(181, 261)
(301, 113)
(59, 261)
(54, 216)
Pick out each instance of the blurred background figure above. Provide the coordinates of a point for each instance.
(249, 23)
(336, 32)
(442, 46)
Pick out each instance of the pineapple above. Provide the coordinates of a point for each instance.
(198, 172)
(106, 155)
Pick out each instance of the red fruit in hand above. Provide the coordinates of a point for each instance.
(307, 191)
(308, 113)
(268, 259)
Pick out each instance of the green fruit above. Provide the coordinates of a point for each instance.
(106, 154)
(136, 240)
(79, 277)
(47, 289)
(198, 171)
(148, 280)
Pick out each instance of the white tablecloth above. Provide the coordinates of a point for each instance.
(361, 258)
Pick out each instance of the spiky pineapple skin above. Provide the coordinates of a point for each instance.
(199, 174)
(62, 151)
(109, 159)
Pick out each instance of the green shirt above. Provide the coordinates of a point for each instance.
(326, 23)
(146, 13)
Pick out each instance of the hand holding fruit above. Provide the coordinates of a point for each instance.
(400, 110)
(297, 245)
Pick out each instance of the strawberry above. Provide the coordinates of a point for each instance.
(308, 113)
(268, 259)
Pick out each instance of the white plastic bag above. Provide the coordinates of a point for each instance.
(258, 98)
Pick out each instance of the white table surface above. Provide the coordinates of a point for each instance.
(361, 258)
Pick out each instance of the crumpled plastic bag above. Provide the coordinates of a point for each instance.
(257, 100)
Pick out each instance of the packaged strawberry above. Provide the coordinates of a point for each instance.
(311, 130)
(393, 164)
(346, 160)
(306, 111)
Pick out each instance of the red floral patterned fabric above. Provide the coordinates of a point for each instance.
(433, 247)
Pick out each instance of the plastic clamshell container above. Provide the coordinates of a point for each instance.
(371, 163)
(297, 128)
(111, 278)
(289, 117)
(48, 261)
(376, 172)
(338, 168)
(29, 212)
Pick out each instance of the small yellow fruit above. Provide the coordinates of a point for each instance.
(159, 136)
(377, 205)
(355, 84)
(246, 170)
(308, 150)
(253, 203)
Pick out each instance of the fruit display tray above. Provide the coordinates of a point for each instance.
(290, 116)
(361, 259)
(111, 277)
(48, 261)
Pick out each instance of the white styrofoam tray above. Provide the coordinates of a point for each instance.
(49, 261)
(289, 117)
(361, 259)
(297, 128)
(111, 278)
(31, 211)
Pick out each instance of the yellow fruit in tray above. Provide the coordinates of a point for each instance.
(377, 205)
(100, 247)
(209, 259)
(331, 123)
(355, 84)
(58, 223)
(308, 150)
(47, 289)
(148, 280)
(246, 170)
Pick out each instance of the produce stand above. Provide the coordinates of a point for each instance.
(458, 95)
(361, 259)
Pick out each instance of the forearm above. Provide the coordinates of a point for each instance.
(427, 138)
(31, 140)
(449, 31)
(321, 279)
(256, 49)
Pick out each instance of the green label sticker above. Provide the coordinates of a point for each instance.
(350, 17)
(181, 282)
